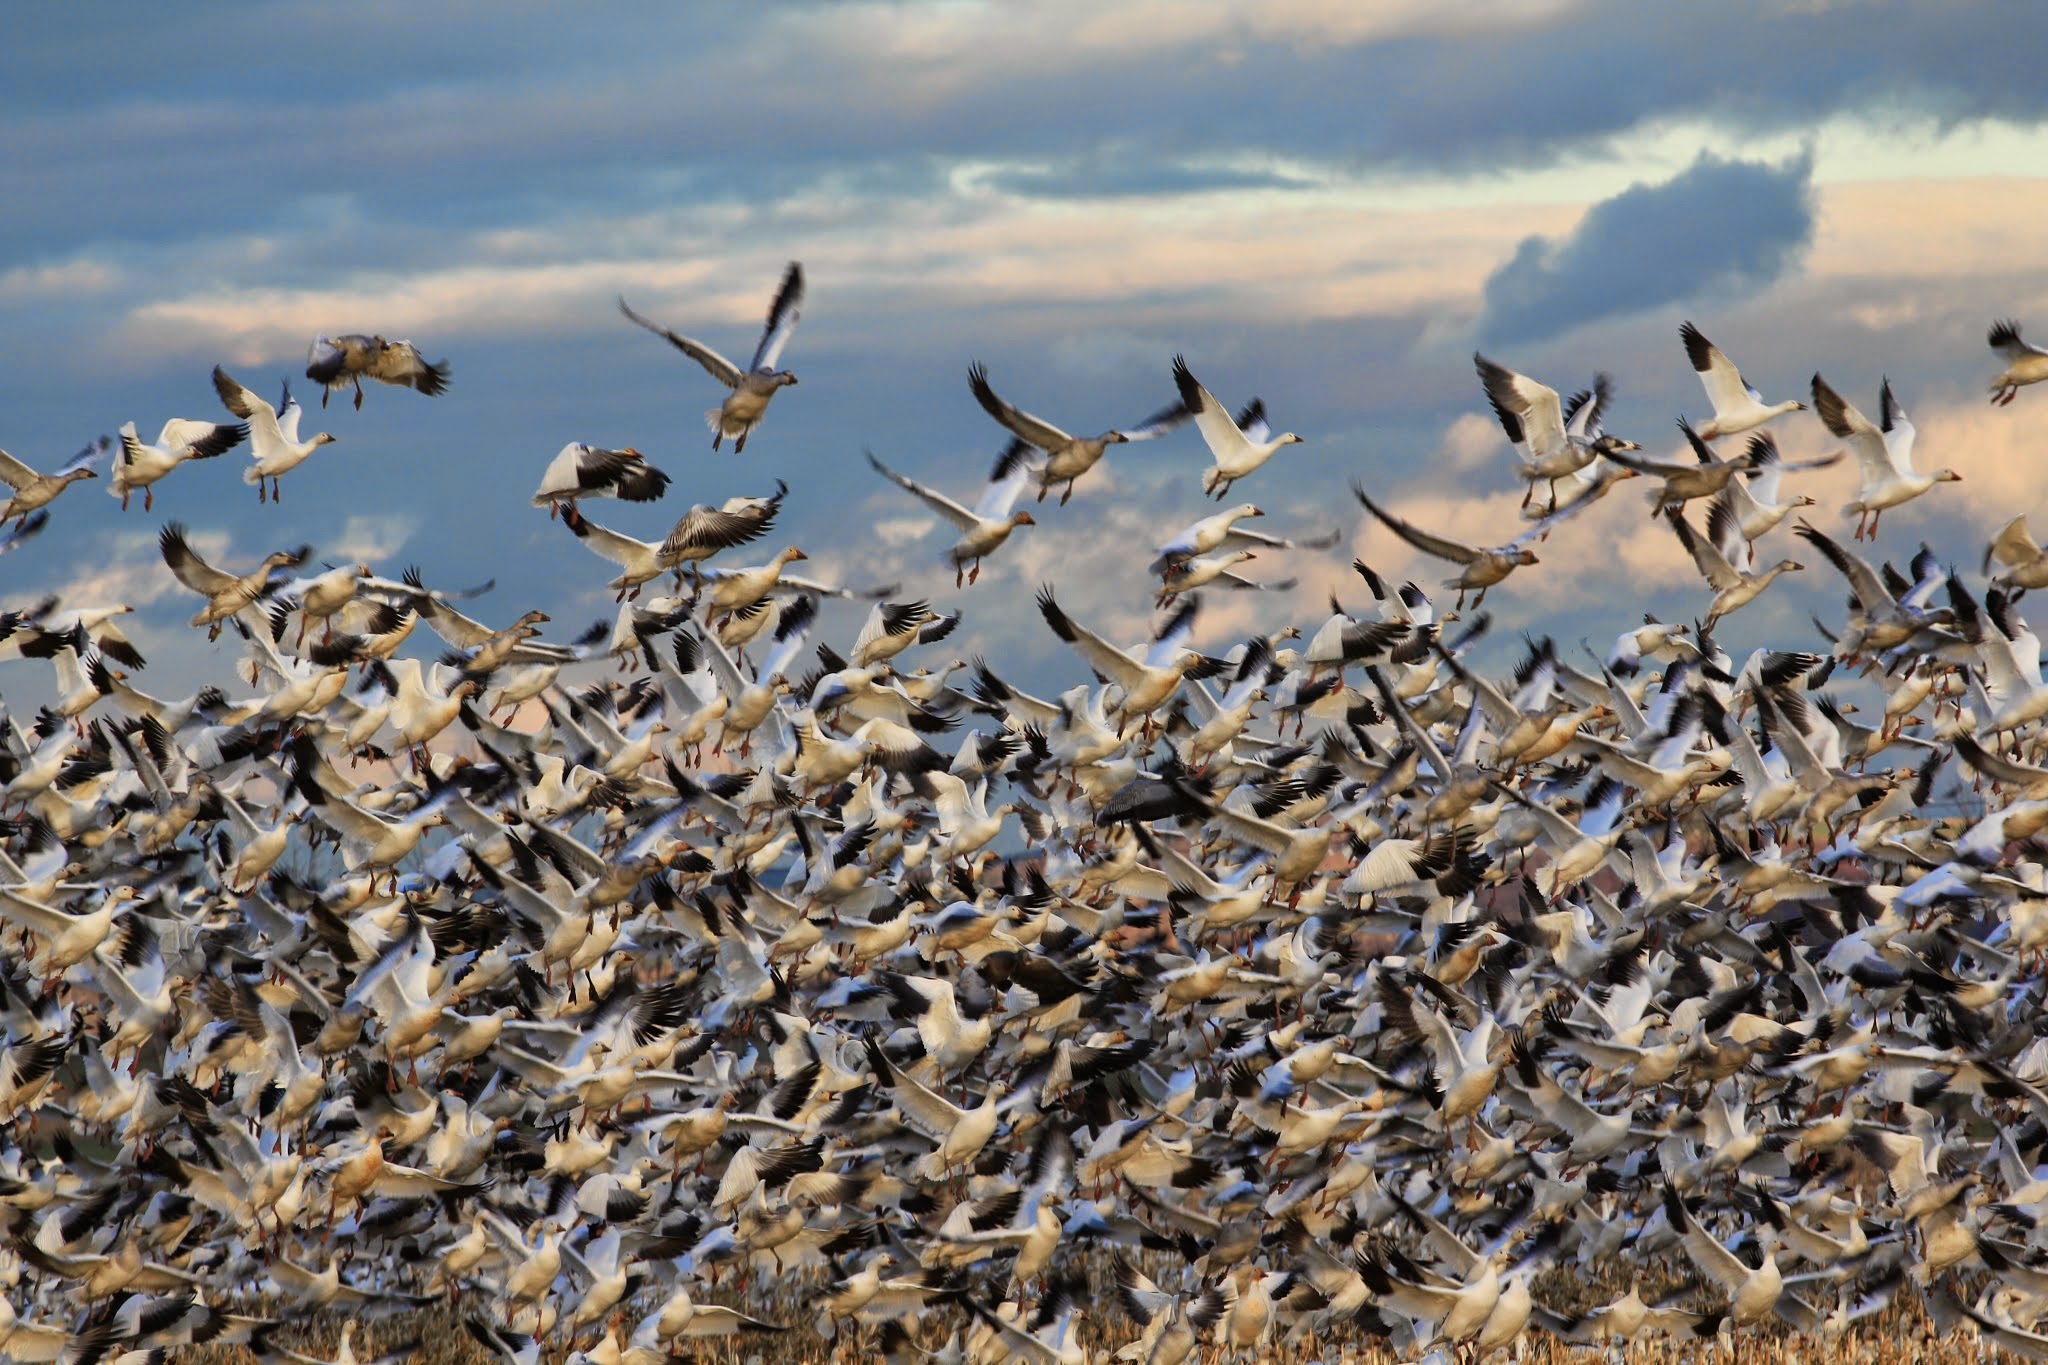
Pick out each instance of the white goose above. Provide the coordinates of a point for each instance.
(1238, 447)
(1885, 452)
(754, 386)
(1754, 501)
(183, 438)
(984, 529)
(2024, 364)
(731, 590)
(587, 471)
(274, 445)
(1220, 531)
(1737, 406)
(750, 703)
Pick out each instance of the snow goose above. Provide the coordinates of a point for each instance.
(1146, 686)
(274, 444)
(1884, 451)
(2024, 364)
(587, 471)
(1754, 501)
(1551, 443)
(68, 938)
(1483, 567)
(225, 594)
(2026, 562)
(753, 387)
(960, 1133)
(983, 529)
(1753, 1295)
(750, 703)
(893, 627)
(639, 561)
(732, 590)
(1737, 406)
(1220, 531)
(1186, 575)
(1713, 556)
(1067, 457)
(704, 530)
(1238, 447)
(339, 362)
(1683, 482)
(33, 490)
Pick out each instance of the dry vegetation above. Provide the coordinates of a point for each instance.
(1901, 1335)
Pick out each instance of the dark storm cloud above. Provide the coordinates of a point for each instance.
(1729, 226)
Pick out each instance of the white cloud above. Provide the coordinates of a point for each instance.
(367, 539)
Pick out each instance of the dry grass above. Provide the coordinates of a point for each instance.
(1901, 1335)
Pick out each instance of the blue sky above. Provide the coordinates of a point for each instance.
(1329, 204)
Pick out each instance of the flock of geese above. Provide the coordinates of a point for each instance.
(704, 977)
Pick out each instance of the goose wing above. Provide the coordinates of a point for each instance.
(938, 502)
(1841, 418)
(1040, 433)
(1102, 656)
(1722, 381)
(1536, 406)
(1212, 419)
(782, 318)
(266, 437)
(716, 365)
(1706, 556)
(194, 572)
(2005, 339)
(1440, 546)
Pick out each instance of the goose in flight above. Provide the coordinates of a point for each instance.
(2026, 562)
(274, 445)
(1754, 501)
(1220, 531)
(754, 386)
(33, 490)
(1067, 457)
(225, 594)
(182, 439)
(1737, 406)
(2024, 364)
(1552, 445)
(1885, 452)
(1240, 446)
(339, 362)
(1483, 567)
(984, 528)
(1148, 685)
(1684, 482)
(587, 471)
(1714, 555)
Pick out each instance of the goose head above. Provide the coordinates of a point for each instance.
(1288, 438)
(1023, 519)
(1947, 476)
(325, 438)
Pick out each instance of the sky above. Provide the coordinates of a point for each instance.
(1327, 203)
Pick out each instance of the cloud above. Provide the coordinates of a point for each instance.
(1730, 227)
(896, 532)
(367, 539)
